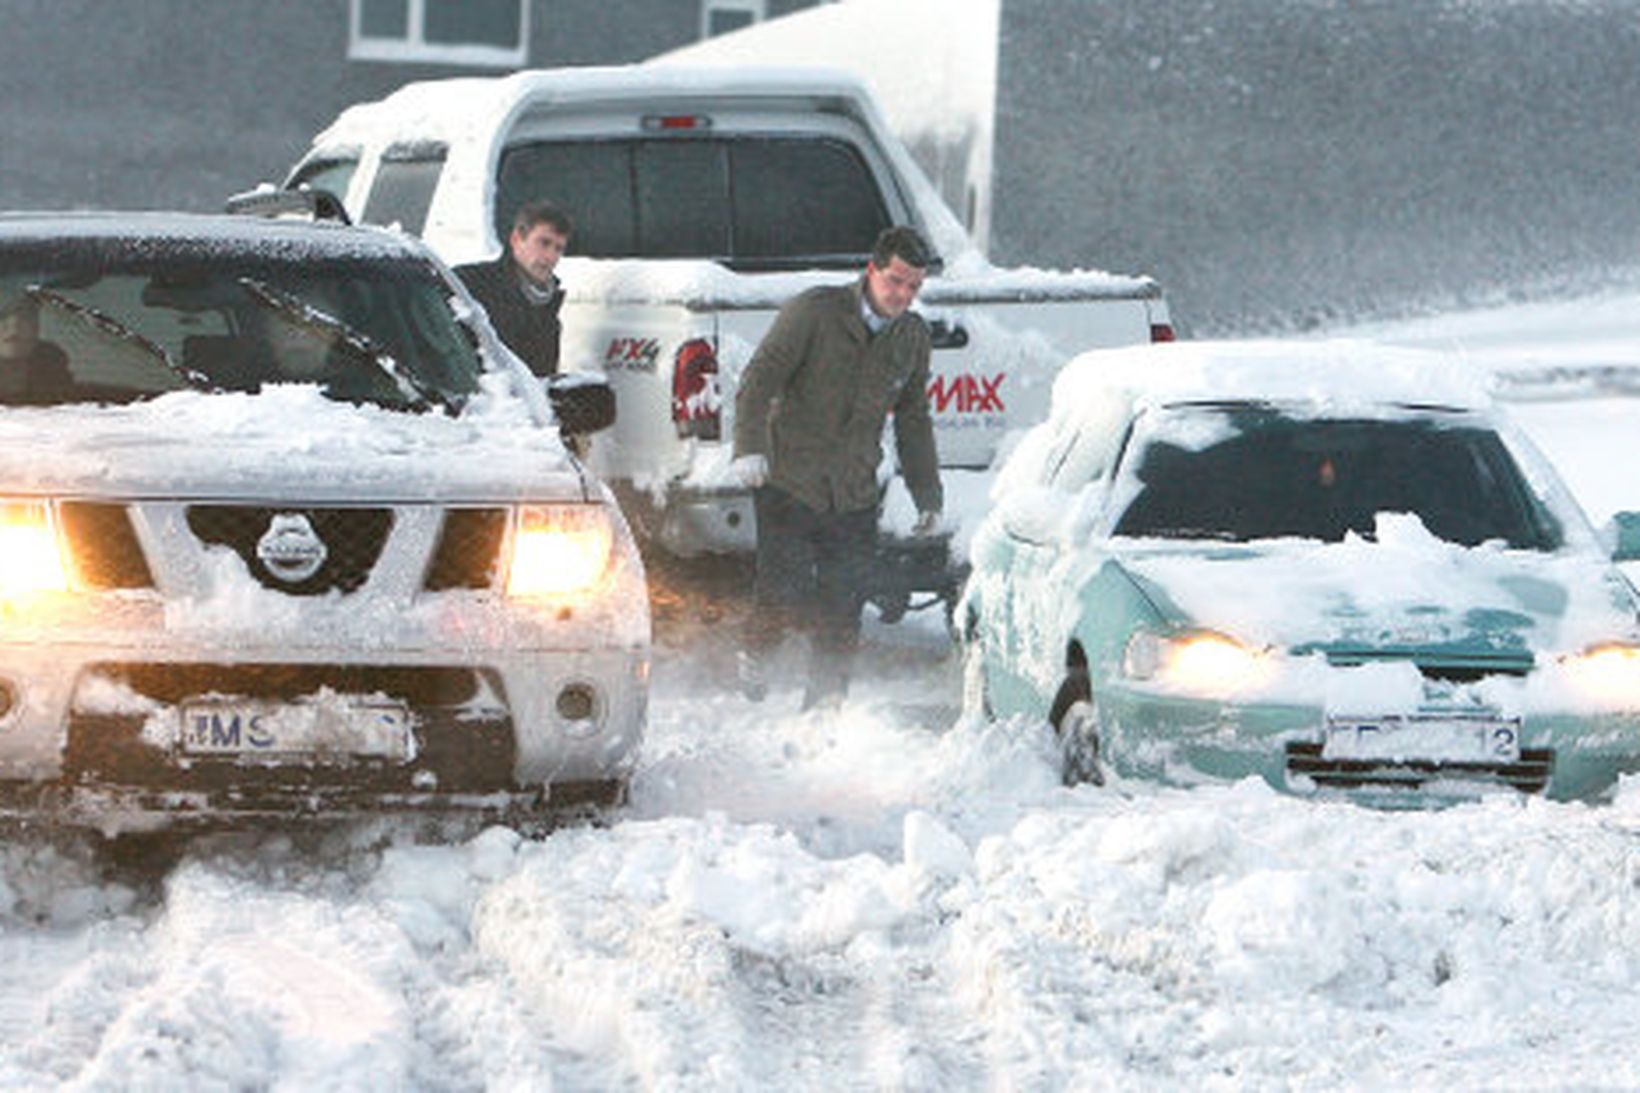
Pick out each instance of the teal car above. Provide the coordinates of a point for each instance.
(1334, 566)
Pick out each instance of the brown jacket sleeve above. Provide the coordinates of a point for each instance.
(914, 433)
(779, 354)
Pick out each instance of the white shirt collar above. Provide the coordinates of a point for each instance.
(874, 322)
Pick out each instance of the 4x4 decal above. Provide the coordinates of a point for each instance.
(632, 354)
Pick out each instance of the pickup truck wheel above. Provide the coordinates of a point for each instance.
(1075, 720)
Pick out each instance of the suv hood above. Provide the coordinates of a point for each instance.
(283, 442)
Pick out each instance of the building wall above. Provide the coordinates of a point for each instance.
(1276, 163)
(177, 103)
(1282, 163)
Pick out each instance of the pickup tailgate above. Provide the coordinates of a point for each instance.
(635, 345)
(997, 351)
(999, 341)
(998, 344)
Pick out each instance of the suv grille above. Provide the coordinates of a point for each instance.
(104, 545)
(419, 686)
(301, 551)
(469, 548)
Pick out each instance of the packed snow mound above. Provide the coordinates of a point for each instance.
(892, 896)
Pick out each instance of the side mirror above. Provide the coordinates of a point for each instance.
(583, 404)
(304, 201)
(1624, 536)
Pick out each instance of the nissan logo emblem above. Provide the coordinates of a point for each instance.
(290, 549)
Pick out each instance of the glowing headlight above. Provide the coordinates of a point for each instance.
(559, 549)
(1608, 672)
(30, 560)
(1200, 661)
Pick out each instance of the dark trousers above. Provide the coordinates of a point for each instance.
(813, 573)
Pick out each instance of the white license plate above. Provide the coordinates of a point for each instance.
(1440, 738)
(318, 730)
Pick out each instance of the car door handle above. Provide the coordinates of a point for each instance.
(946, 335)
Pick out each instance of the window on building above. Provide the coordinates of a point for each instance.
(722, 16)
(465, 32)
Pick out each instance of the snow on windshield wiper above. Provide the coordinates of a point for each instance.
(1193, 534)
(101, 320)
(360, 345)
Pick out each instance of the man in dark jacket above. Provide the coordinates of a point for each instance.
(809, 420)
(519, 289)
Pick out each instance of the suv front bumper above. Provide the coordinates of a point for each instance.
(500, 705)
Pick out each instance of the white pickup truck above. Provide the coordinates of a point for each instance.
(704, 199)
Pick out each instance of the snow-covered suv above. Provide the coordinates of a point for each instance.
(285, 531)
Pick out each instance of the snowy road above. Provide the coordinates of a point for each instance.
(889, 897)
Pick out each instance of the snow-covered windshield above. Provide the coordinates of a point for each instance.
(100, 321)
(1243, 472)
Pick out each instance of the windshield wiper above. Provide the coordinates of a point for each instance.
(1192, 534)
(107, 324)
(418, 394)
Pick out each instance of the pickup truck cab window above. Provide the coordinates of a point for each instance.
(748, 201)
(333, 173)
(402, 190)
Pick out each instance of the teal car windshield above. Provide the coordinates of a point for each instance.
(1240, 473)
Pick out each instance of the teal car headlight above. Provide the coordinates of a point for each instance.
(1199, 662)
(1609, 672)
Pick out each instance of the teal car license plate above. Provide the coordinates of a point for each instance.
(318, 730)
(1480, 738)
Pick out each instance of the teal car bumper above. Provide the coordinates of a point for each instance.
(1181, 740)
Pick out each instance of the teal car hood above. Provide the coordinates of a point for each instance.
(1359, 599)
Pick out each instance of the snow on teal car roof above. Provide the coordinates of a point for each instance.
(1098, 392)
(1335, 373)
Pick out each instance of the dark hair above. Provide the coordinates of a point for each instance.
(532, 213)
(902, 242)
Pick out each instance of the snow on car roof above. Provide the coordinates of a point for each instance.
(1341, 373)
(454, 109)
(1097, 393)
(208, 231)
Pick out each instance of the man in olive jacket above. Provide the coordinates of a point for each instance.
(809, 421)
